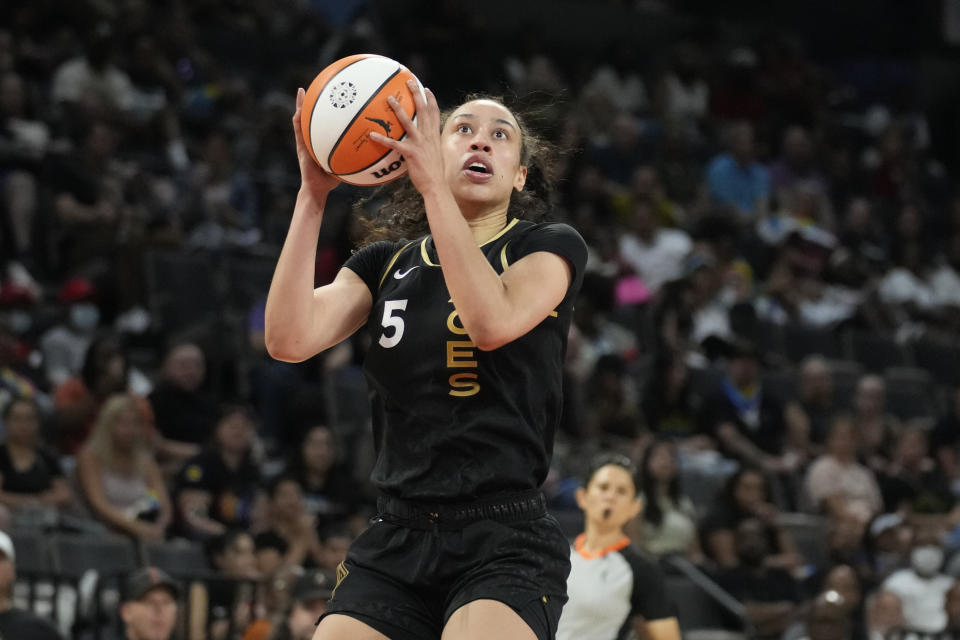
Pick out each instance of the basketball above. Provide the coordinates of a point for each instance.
(344, 103)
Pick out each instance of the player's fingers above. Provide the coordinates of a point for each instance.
(419, 97)
(401, 114)
(431, 99)
(429, 111)
(385, 140)
(297, 132)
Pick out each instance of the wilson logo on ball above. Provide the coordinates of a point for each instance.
(387, 170)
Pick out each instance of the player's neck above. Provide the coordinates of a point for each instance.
(486, 225)
(597, 539)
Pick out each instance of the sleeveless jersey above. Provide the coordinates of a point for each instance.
(452, 422)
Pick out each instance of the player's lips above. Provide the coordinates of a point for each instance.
(477, 169)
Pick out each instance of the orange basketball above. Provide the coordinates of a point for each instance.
(344, 103)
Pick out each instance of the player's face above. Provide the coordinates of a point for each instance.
(610, 498)
(481, 144)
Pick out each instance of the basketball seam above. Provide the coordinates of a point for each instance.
(313, 111)
(359, 111)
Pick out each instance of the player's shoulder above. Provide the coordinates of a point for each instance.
(547, 229)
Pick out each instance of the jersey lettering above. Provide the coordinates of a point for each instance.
(461, 354)
(391, 321)
(458, 354)
(464, 384)
(452, 324)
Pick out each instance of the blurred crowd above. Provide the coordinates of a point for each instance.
(767, 326)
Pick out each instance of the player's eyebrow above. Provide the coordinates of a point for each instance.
(501, 120)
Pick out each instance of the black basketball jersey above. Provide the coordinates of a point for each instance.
(452, 422)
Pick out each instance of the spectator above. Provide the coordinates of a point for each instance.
(912, 482)
(836, 482)
(862, 236)
(77, 401)
(745, 496)
(218, 488)
(309, 596)
(30, 476)
(226, 197)
(656, 255)
(14, 622)
(683, 95)
(24, 140)
(736, 180)
(227, 600)
(329, 493)
(876, 429)
(670, 402)
(770, 595)
(668, 524)
(921, 587)
(815, 395)
(290, 521)
(952, 607)
(887, 541)
(149, 606)
(828, 618)
(90, 85)
(612, 415)
(119, 475)
(884, 615)
(845, 547)
(646, 184)
(65, 344)
(618, 81)
(185, 414)
(795, 166)
(752, 424)
(844, 581)
(270, 549)
(93, 201)
(335, 539)
(945, 439)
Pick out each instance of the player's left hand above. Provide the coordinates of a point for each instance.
(421, 145)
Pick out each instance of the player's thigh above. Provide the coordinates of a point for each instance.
(484, 619)
(340, 627)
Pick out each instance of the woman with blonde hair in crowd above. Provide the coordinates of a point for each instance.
(118, 472)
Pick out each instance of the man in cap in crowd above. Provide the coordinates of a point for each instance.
(17, 623)
(149, 607)
(308, 597)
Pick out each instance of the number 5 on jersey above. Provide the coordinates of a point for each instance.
(392, 321)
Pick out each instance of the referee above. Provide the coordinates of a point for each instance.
(614, 590)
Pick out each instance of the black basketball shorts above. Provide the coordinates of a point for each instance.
(418, 563)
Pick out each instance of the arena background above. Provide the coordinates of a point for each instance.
(769, 194)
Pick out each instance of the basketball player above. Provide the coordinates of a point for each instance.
(614, 590)
(468, 327)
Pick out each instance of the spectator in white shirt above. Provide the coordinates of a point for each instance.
(655, 254)
(922, 588)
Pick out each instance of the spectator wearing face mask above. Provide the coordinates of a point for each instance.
(65, 343)
(922, 587)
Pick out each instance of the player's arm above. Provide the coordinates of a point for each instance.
(497, 309)
(662, 629)
(300, 321)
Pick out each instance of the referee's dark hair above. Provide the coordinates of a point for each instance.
(606, 458)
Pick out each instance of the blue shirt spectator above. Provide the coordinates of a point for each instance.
(736, 180)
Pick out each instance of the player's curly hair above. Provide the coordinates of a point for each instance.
(402, 215)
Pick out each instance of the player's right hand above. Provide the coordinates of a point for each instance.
(316, 182)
